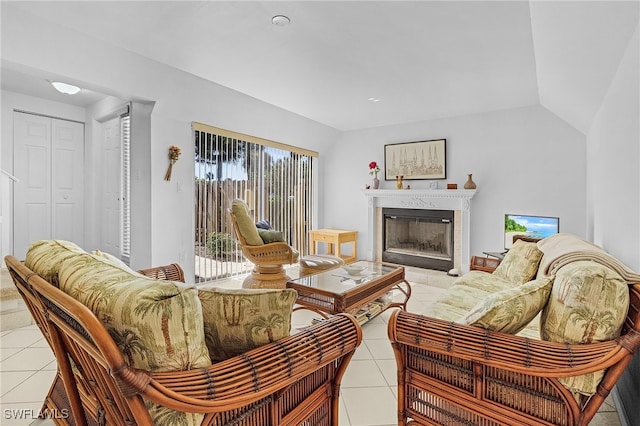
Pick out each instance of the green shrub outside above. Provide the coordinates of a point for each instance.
(220, 244)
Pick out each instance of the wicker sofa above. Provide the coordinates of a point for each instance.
(468, 362)
(290, 381)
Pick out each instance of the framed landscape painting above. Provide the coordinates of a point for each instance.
(416, 160)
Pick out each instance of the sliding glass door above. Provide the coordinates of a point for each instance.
(274, 179)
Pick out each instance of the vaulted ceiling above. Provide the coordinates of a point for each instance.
(359, 64)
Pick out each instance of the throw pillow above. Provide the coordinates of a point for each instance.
(588, 303)
(520, 264)
(238, 320)
(246, 226)
(271, 236)
(263, 224)
(44, 257)
(511, 309)
(114, 261)
(156, 324)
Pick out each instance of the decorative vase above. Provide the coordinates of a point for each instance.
(470, 184)
(376, 182)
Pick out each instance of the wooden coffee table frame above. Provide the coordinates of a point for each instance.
(353, 297)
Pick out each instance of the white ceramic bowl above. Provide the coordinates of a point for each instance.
(354, 269)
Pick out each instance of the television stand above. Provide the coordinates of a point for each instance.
(496, 254)
(485, 264)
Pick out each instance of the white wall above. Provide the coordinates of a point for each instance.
(523, 161)
(613, 159)
(179, 98)
(614, 190)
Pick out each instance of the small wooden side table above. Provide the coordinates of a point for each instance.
(334, 239)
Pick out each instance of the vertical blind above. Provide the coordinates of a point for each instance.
(125, 189)
(274, 179)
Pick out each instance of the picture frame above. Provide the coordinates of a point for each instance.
(421, 160)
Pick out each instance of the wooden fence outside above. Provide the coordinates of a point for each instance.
(291, 215)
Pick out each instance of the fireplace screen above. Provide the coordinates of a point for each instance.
(422, 238)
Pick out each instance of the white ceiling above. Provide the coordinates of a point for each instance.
(38, 84)
(421, 59)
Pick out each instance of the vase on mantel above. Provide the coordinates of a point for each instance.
(376, 182)
(470, 184)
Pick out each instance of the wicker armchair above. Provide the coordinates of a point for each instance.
(450, 373)
(268, 260)
(292, 381)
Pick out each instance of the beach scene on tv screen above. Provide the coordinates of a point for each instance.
(531, 226)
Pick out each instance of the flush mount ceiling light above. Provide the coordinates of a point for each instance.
(281, 20)
(67, 89)
(373, 100)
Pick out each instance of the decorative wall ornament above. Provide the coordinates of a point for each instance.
(174, 154)
(417, 203)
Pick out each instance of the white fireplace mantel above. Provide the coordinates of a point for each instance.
(458, 200)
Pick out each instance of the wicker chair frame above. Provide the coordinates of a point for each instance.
(268, 260)
(295, 380)
(450, 373)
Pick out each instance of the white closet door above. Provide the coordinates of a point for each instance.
(48, 199)
(67, 177)
(111, 192)
(32, 194)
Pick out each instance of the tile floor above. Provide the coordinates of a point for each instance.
(368, 392)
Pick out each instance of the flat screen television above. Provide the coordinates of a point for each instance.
(532, 226)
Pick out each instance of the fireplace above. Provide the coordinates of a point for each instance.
(422, 238)
(457, 201)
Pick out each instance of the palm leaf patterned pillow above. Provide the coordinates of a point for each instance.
(511, 309)
(45, 256)
(520, 264)
(156, 324)
(238, 320)
(588, 303)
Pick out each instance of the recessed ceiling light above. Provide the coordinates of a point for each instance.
(67, 89)
(281, 20)
(374, 100)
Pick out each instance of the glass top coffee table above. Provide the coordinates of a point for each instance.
(364, 295)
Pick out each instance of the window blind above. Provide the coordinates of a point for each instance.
(125, 189)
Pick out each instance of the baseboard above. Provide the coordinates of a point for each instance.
(622, 413)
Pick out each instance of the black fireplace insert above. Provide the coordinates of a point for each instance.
(417, 237)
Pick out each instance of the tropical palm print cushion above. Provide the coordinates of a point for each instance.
(156, 324)
(511, 309)
(588, 303)
(464, 293)
(238, 320)
(520, 264)
(45, 256)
